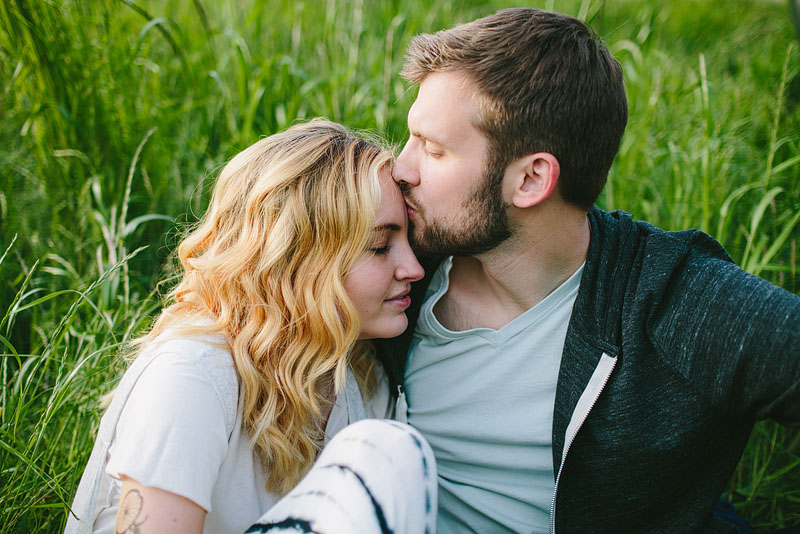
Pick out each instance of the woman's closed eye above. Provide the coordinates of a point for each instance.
(382, 249)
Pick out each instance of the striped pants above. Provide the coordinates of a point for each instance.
(374, 476)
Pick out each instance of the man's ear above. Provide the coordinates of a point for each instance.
(534, 178)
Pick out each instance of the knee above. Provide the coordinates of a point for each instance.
(377, 427)
(381, 430)
(390, 438)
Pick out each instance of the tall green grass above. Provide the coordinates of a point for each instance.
(114, 114)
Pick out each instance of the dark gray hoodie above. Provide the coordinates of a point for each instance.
(672, 353)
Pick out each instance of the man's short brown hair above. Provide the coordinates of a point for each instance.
(547, 83)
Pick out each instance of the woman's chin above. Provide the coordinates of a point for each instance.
(386, 329)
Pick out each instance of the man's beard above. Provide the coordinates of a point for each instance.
(484, 224)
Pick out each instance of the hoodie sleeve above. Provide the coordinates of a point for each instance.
(735, 336)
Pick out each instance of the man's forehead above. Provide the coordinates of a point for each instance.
(446, 108)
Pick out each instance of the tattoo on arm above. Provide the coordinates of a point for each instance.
(129, 510)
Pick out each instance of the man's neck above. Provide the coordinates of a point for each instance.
(494, 288)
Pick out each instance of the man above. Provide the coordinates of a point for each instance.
(573, 370)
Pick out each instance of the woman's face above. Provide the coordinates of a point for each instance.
(381, 278)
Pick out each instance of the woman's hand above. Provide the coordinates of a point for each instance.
(144, 510)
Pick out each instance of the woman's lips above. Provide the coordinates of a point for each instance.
(401, 301)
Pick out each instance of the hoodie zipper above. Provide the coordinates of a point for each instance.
(401, 405)
(585, 404)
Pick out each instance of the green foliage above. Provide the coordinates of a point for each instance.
(114, 112)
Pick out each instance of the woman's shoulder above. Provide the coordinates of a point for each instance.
(176, 351)
(178, 414)
(379, 402)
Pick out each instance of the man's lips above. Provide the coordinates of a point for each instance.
(410, 208)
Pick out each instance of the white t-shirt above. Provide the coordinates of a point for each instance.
(181, 431)
(483, 398)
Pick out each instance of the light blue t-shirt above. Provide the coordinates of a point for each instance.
(483, 399)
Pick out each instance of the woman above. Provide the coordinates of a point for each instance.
(260, 355)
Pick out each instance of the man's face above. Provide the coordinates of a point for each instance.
(454, 202)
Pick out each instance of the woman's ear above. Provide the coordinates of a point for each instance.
(534, 178)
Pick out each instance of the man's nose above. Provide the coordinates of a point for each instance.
(405, 170)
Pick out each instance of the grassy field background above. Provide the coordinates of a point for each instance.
(115, 115)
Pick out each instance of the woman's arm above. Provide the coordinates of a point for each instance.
(145, 510)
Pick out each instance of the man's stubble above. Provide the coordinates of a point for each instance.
(483, 224)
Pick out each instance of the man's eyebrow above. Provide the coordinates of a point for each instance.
(388, 226)
(425, 137)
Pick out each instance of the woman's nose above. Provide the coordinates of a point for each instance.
(409, 268)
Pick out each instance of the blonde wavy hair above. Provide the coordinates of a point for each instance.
(288, 218)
